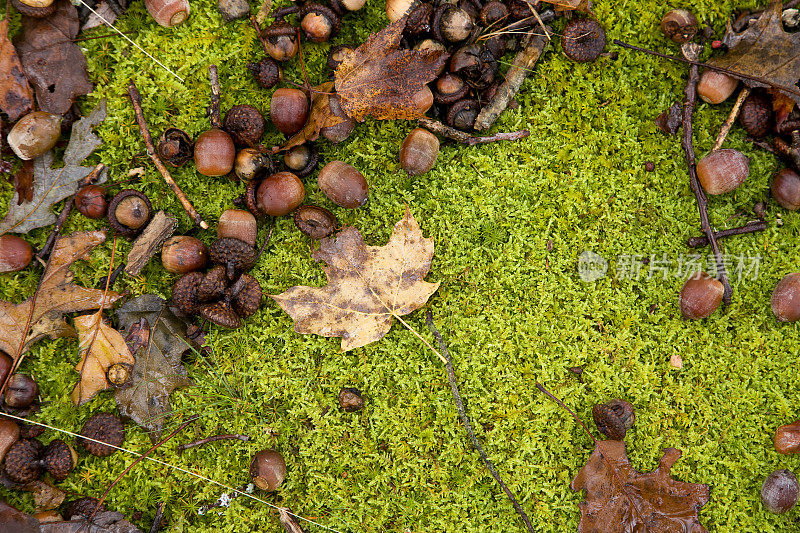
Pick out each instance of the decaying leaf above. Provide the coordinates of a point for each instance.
(158, 369)
(319, 116)
(764, 50)
(101, 346)
(55, 296)
(367, 285)
(560, 6)
(45, 495)
(103, 522)
(51, 185)
(16, 95)
(23, 182)
(380, 80)
(618, 498)
(53, 63)
(782, 105)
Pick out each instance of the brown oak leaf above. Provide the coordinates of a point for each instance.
(320, 116)
(764, 50)
(42, 314)
(368, 286)
(54, 64)
(618, 498)
(380, 80)
(101, 346)
(16, 95)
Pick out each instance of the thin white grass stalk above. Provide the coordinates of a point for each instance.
(420, 337)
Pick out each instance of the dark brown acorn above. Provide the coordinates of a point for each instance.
(214, 153)
(91, 202)
(185, 293)
(221, 314)
(755, 115)
(787, 438)
(350, 400)
(419, 151)
(59, 459)
(246, 295)
(15, 253)
(462, 114)
(103, 427)
(9, 434)
(318, 22)
(239, 224)
(785, 299)
(614, 418)
(449, 88)
(21, 391)
(175, 147)
(343, 184)
(267, 72)
(182, 254)
(245, 124)
(679, 25)
(129, 212)
(700, 296)
(302, 160)
(235, 255)
(452, 23)
(583, 40)
(280, 194)
(23, 462)
(289, 110)
(786, 189)
(780, 491)
(281, 39)
(268, 469)
(314, 221)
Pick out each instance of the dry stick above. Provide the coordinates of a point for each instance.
(136, 100)
(783, 148)
(726, 126)
(157, 520)
(215, 438)
(213, 109)
(62, 217)
(693, 51)
(750, 227)
(462, 413)
(523, 62)
(465, 138)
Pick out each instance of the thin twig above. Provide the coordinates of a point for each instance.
(567, 409)
(136, 100)
(157, 520)
(213, 109)
(726, 126)
(465, 138)
(214, 438)
(750, 227)
(688, 148)
(100, 36)
(462, 413)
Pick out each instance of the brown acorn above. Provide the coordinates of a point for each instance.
(281, 39)
(59, 459)
(787, 438)
(185, 292)
(614, 418)
(268, 469)
(9, 434)
(246, 293)
(129, 212)
(350, 399)
(233, 254)
(181, 254)
(756, 114)
(267, 72)
(318, 22)
(103, 427)
(583, 40)
(90, 201)
(119, 374)
(245, 124)
(314, 221)
(222, 314)
(23, 463)
(175, 147)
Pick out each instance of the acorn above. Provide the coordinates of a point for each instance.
(268, 469)
(343, 184)
(214, 153)
(15, 253)
(302, 160)
(341, 131)
(239, 224)
(185, 293)
(700, 296)
(267, 72)
(350, 399)
(337, 54)
(419, 151)
(715, 87)
(785, 189)
(59, 459)
(493, 12)
(449, 88)
(129, 212)
(182, 254)
(289, 110)
(34, 134)
(583, 40)
(245, 124)
(90, 201)
(103, 427)
(23, 463)
(82, 508)
(221, 314)
(318, 22)
(281, 39)
(233, 254)
(213, 285)
(679, 25)
(119, 374)
(423, 99)
(342, 6)
(786, 439)
(9, 434)
(780, 491)
(419, 19)
(462, 114)
(175, 147)
(35, 8)
(614, 418)
(246, 295)
(280, 194)
(168, 13)
(395, 9)
(785, 299)
(252, 163)
(755, 116)
(6, 363)
(21, 391)
(452, 24)
(722, 171)
(314, 221)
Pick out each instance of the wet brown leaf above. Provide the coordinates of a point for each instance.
(377, 79)
(101, 346)
(320, 116)
(55, 296)
(16, 95)
(367, 285)
(23, 182)
(764, 50)
(618, 498)
(53, 63)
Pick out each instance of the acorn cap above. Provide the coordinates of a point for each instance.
(34, 8)
(233, 254)
(614, 418)
(59, 459)
(350, 399)
(119, 374)
(246, 295)
(583, 40)
(213, 285)
(185, 292)
(104, 427)
(23, 461)
(82, 507)
(221, 314)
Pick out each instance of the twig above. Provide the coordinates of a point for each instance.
(525, 59)
(763, 145)
(214, 438)
(157, 520)
(791, 152)
(66, 210)
(709, 66)
(567, 409)
(465, 138)
(462, 413)
(255, 24)
(726, 126)
(693, 50)
(136, 100)
(750, 227)
(111, 278)
(266, 240)
(213, 109)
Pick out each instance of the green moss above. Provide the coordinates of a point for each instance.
(513, 311)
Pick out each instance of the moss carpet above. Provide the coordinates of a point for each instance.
(509, 222)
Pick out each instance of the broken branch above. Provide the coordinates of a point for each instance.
(750, 227)
(465, 138)
(726, 126)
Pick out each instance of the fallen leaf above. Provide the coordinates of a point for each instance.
(671, 119)
(51, 185)
(158, 369)
(320, 116)
(764, 50)
(618, 498)
(23, 182)
(782, 105)
(561, 6)
(101, 346)
(17, 521)
(380, 80)
(367, 285)
(16, 95)
(53, 63)
(103, 522)
(45, 495)
(55, 296)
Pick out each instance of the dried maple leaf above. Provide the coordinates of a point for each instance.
(367, 285)
(51, 185)
(42, 314)
(158, 369)
(16, 95)
(764, 50)
(54, 64)
(101, 346)
(320, 116)
(618, 498)
(380, 80)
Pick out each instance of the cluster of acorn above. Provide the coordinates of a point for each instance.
(724, 170)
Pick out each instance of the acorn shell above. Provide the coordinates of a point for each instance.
(22, 463)
(723, 170)
(104, 427)
(185, 292)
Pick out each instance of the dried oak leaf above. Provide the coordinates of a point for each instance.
(103, 522)
(51, 185)
(54, 64)
(158, 369)
(380, 80)
(764, 50)
(320, 116)
(101, 346)
(618, 498)
(42, 314)
(367, 285)
(16, 95)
